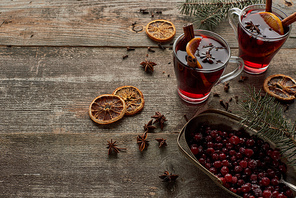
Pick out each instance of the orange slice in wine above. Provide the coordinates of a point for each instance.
(133, 98)
(273, 21)
(160, 30)
(107, 108)
(191, 48)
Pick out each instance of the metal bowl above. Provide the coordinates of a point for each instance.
(224, 121)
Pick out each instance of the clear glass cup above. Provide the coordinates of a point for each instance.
(195, 84)
(257, 50)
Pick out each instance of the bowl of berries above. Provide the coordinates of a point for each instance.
(235, 157)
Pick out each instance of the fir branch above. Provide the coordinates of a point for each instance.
(209, 13)
(265, 115)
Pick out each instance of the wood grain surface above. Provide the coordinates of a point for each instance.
(56, 57)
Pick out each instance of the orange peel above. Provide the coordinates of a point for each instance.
(273, 21)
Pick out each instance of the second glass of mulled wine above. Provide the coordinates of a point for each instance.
(260, 35)
(213, 54)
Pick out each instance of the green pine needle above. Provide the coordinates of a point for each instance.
(265, 115)
(208, 14)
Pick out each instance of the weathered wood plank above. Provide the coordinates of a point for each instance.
(94, 23)
(48, 90)
(77, 165)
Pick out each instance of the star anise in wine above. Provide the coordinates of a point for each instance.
(112, 146)
(161, 141)
(149, 126)
(207, 57)
(252, 27)
(148, 66)
(160, 119)
(142, 141)
(168, 177)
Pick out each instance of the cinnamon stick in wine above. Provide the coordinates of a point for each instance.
(268, 5)
(289, 20)
(188, 32)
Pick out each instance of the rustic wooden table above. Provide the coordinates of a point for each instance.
(56, 57)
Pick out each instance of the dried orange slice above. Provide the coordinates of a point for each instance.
(107, 108)
(133, 98)
(273, 21)
(160, 30)
(280, 86)
(191, 48)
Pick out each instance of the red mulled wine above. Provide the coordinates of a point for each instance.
(259, 39)
(196, 83)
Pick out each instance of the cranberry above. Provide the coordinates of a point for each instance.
(217, 164)
(194, 149)
(283, 168)
(225, 163)
(275, 155)
(218, 139)
(215, 156)
(289, 193)
(274, 182)
(238, 169)
(274, 194)
(250, 143)
(210, 151)
(257, 192)
(224, 170)
(281, 195)
(213, 170)
(234, 140)
(228, 177)
(240, 182)
(198, 137)
(246, 187)
(265, 181)
(266, 194)
(234, 179)
(253, 177)
(252, 164)
(222, 156)
(249, 152)
(243, 164)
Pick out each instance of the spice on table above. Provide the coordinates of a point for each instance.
(161, 141)
(112, 146)
(160, 119)
(252, 27)
(168, 177)
(149, 126)
(130, 49)
(243, 78)
(216, 94)
(226, 86)
(124, 57)
(150, 49)
(142, 142)
(148, 65)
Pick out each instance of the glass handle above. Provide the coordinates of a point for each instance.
(233, 21)
(235, 72)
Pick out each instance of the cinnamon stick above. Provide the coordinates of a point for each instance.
(188, 32)
(268, 5)
(289, 20)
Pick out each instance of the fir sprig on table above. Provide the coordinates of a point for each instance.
(265, 115)
(209, 13)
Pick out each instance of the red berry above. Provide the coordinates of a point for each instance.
(224, 170)
(217, 164)
(265, 181)
(266, 194)
(194, 149)
(234, 140)
(249, 152)
(228, 177)
(243, 164)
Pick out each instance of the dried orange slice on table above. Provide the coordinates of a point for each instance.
(160, 30)
(280, 86)
(107, 108)
(133, 98)
(273, 21)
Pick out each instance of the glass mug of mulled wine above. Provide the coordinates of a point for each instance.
(259, 37)
(213, 53)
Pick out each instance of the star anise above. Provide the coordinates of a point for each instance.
(207, 57)
(149, 126)
(162, 142)
(252, 27)
(167, 177)
(160, 119)
(112, 146)
(148, 65)
(142, 142)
